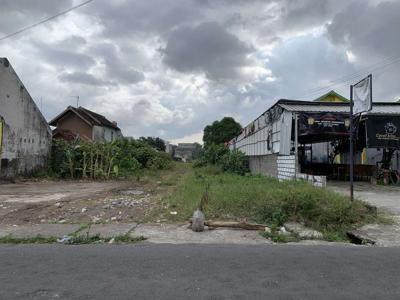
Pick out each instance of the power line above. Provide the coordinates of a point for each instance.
(359, 72)
(44, 21)
(378, 69)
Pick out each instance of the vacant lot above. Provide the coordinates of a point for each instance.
(172, 195)
(266, 200)
(85, 201)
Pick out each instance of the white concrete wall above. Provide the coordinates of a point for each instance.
(287, 171)
(286, 167)
(107, 134)
(26, 134)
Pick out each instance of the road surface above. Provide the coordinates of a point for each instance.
(163, 271)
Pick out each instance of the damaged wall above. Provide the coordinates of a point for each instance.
(26, 138)
(103, 133)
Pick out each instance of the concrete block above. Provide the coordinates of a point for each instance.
(302, 231)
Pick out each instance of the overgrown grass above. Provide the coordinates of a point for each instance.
(266, 200)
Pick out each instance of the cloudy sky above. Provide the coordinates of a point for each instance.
(169, 67)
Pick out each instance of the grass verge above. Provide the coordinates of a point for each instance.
(38, 239)
(266, 200)
(74, 240)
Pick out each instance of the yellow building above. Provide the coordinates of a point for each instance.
(332, 96)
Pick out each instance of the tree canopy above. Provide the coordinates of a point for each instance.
(221, 131)
(154, 142)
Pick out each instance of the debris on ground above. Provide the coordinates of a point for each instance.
(64, 239)
(131, 192)
(237, 225)
(302, 231)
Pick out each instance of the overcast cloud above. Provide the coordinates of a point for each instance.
(168, 68)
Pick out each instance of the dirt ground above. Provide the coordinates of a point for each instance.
(35, 202)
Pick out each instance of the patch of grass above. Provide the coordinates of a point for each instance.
(74, 240)
(126, 238)
(97, 239)
(266, 200)
(38, 239)
(276, 237)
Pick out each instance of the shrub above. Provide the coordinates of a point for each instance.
(229, 161)
(120, 158)
(159, 160)
(235, 162)
(214, 153)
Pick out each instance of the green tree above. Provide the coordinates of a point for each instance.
(220, 132)
(154, 142)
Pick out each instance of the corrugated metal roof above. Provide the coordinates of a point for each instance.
(377, 108)
(314, 108)
(393, 109)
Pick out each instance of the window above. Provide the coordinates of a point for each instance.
(4, 163)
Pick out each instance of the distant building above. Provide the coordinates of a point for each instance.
(170, 148)
(187, 151)
(85, 124)
(25, 136)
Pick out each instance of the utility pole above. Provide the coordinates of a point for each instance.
(351, 146)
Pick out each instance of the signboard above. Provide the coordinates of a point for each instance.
(383, 131)
(362, 95)
(318, 127)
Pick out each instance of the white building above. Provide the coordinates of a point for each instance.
(25, 137)
(271, 143)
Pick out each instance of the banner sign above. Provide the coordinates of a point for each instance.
(383, 131)
(362, 95)
(322, 126)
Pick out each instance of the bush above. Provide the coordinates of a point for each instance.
(161, 160)
(229, 161)
(214, 153)
(235, 162)
(120, 158)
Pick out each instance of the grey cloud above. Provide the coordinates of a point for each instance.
(371, 32)
(304, 64)
(15, 14)
(197, 37)
(117, 69)
(83, 78)
(59, 55)
(125, 18)
(368, 30)
(207, 48)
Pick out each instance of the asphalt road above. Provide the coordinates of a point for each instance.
(148, 271)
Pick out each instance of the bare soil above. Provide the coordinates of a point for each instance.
(35, 202)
